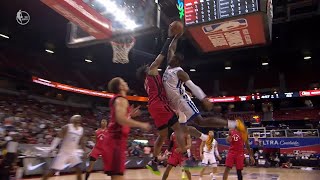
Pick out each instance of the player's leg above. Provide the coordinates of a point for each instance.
(239, 174)
(213, 164)
(89, 169)
(117, 177)
(49, 174)
(166, 173)
(78, 171)
(180, 135)
(76, 162)
(202, 172)
(239, 165)
(188, 174)
(153, 165)
(226, 173)
(58, 164)
(93, 158)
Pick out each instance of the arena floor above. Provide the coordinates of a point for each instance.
(249, 174)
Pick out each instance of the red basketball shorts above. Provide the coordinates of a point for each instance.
(96, 152)
(162, 115)
(235, 158)
(114, 156)
(176, 159)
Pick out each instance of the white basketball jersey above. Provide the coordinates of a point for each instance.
(206, 149)
(173, 85)
(72, 138)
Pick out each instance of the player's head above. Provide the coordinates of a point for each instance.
(118, 85)
(142, 72)
(104, 123)
(76, 120)
(211, 134)
(176, 60)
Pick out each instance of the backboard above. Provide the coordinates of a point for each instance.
(127, 17)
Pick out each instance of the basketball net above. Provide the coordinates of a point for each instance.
(121, 48)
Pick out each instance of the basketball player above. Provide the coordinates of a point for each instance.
(118, 129)
(176, 157)
(208, 153)
(174, 79)
(236, 153)
(97, 151)
(159, 108)
(71, 136)
(9, 157)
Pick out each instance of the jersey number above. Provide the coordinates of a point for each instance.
(235, 138)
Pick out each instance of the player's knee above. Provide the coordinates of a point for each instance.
(239, 174)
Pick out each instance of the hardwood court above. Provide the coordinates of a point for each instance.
(248, 174)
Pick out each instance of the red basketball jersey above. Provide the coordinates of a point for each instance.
(155, 89)
(174, 139)
(115, 130)
(101, 135)
(236, 143)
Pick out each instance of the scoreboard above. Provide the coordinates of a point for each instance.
(217, 25)
(202, 11)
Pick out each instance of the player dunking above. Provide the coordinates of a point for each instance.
(97, 151)
(158, 106)
(118, 129)
(236, 153)
(174, 79)
(176, 157)
(208, 153)
(71, 136)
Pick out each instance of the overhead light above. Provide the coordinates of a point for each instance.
(227, 67)
(49, 51)
(275, 92)
(192, 70)
(307, 57)
(265, 64)
(4, 36)
(88, 60)
(119, 14)
(159, 69)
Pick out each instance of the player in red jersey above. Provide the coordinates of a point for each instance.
(176, 157)
(97, 150)
(159, 108)
(236, 153)
(118, 129)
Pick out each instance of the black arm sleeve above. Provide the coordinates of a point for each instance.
(165, 47)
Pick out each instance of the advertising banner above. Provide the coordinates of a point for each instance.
(286, 145)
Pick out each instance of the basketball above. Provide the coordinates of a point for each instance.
(176, 27)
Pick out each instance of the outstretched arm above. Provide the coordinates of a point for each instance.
(153, 69)
(173, 47)
(121, 105)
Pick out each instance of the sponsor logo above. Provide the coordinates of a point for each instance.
(22, 17)
(139, 162)
(180, 7)
(127, 162)
(31, 167)
(225, 26)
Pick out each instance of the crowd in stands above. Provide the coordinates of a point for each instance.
(37, 122)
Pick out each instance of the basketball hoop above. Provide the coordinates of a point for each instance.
(121, 47)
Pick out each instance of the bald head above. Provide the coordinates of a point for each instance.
(76, 119)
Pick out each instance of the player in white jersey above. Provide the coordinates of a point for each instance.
(174, 79)
(71, 136)
(208, 153)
